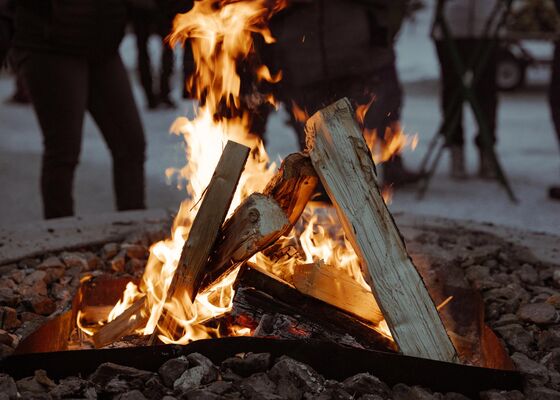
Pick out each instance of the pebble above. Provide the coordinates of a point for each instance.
(538, 313)
(75, 260)
(172, 369)
(535, 372)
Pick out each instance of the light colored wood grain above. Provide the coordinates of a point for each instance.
(131, 319)
(344, 165)
(325, 283)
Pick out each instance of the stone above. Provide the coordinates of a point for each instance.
(6, 338)
(108, 371)
(404, 392)
(7, 283)
(118, 262)
(54, 274)
(528, 274)
(201, 394)
(135, 251)
(154, 388)
(8, 386)
(211, 372)
(518, 338)
(93, 262)
(302, 375)
(135, 267)
(75, 259)
(51, 262)
(548, 340)
(365, 383)
(371, 397)
(535, 372)
(61, 291)
(554, 301)
(492, 395)
(454, 396)
(132, 395)
(9, 319)
(257, 385)
(248, 365)
(538, 313)
(506, 319)
(27, 316)
(542, 393)
(172, 369)
(219, 387)
(118, 385)
(189, 380)
(109, 251)
(71, 387)
(17, 276)
(29, 263)
(41, 305)
(288, 390)
(34, 284)
(480, 277)
(333, 394)
(39, 383)
(509, 297)
(8, 297)
(7, 269)
(552, 360)
(556, 277)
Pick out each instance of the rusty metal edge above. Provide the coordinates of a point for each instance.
(331, 360)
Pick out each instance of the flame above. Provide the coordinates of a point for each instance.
(394, 142)
(220, 33)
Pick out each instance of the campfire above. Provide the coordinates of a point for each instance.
(250, 252)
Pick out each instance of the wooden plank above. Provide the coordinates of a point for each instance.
(344, 165)
(325, 283)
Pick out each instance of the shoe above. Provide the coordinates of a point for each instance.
(395, 173)
(554, 192)
(487, 167)
(166, 102)
(153, 103)
(457, 162)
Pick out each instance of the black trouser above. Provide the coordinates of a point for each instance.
(62, 88)
(485, 89)
(554, 90)
(382, 85)
(144, 25)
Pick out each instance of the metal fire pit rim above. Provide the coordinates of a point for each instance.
(331, 360)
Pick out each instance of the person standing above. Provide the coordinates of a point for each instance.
(554, 100)
(333, 49)
(67, 52)
(152, 17)
(467, 21)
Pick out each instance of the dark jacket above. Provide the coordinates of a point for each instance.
(320, 40)
(81, 27)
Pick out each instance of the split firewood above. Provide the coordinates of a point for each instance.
(131, 319)
(294, 185)
(344, 164)
(262, 218)
(203, 233)
(336, 288)
(256, 223)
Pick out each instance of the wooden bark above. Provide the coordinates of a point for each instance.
(344, 165)
(131, 319)
(256, 223)
(325, 283)
(262, 218)
(293, 185)
(270, 307)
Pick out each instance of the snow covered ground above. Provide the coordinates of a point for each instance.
(527, 147)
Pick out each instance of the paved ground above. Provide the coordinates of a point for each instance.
(527, 147)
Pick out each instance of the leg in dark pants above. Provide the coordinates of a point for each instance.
(58, 86)
(112, 106)
(167, 58)
(142, 24)
(554, 102)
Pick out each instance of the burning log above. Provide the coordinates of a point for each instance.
(126, 323)
(262, 218)
(203, 234)
(270, 307)
(343, 162)
(338, 289)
